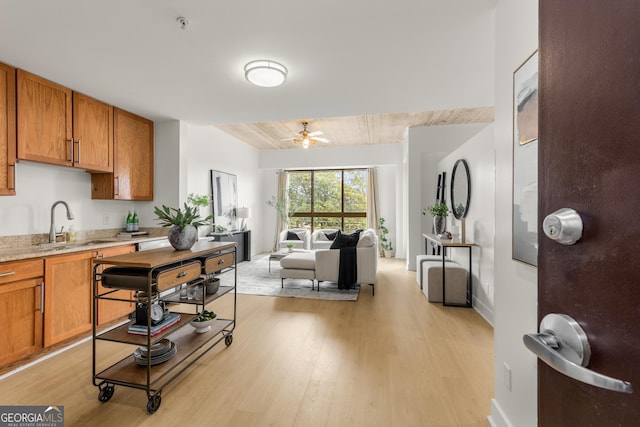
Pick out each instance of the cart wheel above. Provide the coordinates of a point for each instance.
(106, 393)
(228, 340)
(154, 403)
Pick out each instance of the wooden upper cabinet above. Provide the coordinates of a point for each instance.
(132, 177)
(7, 130)
(92, 134)
(61, 127)
(44, 120)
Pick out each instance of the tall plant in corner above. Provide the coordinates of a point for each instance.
(385, 242)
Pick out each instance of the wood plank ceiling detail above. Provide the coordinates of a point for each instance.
(368, 129)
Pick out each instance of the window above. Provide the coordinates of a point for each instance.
(335, 198)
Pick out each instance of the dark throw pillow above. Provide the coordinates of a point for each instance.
(292, 236)
(331, 236)
(345, 240)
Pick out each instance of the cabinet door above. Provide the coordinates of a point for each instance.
(44, 120)
(92, 133)
(132, 177)
(21, 319)
(112, 310)
(7, 130)
(67, 299)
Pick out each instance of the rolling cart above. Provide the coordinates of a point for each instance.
(162, 341)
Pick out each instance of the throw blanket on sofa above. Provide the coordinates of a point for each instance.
(348, 271)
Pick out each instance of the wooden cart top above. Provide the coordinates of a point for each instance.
(168, 255)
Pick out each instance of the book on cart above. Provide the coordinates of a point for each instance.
(169, 320)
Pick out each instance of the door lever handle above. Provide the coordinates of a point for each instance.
(563, 345)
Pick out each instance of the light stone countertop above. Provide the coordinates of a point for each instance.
(16, 248)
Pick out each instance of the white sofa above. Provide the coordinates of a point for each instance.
(319, 238)
(328, 261)
(301, 243)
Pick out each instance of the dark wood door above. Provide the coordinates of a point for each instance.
(589, 160)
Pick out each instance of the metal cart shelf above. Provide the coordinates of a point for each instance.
(161, 273)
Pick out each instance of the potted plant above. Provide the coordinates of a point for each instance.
(385, 243)
(439, 211)
(183, 232)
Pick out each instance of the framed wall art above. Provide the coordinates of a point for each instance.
(224, 197)
(525, 161)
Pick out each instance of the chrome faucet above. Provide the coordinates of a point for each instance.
(52, 229)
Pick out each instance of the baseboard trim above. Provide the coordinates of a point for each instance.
(497, 417)
(483, 310)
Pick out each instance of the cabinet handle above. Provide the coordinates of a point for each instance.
(78, 141)
(42, 297)
(70, 156)
(116, 184)
(221, 261)
(181, 274)
(10, 273)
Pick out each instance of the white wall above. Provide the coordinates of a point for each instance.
(515, 283)
(387, 159)
(424, 150)
(185, 155)
(38, 186)
(478, 151)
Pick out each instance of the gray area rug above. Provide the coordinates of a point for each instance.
(254, 278)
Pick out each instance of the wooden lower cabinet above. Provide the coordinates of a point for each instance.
(109, 311)
(68, 300)
(20, 308)
(67, 296)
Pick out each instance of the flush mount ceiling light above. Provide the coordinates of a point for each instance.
(265, 73)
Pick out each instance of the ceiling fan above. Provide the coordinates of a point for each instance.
(306, 137)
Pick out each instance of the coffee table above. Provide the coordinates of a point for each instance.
(277, 256)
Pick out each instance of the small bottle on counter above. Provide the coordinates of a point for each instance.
(129, 223)
(135, 222)
(71, 235)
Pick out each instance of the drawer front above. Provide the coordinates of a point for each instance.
(217, 263)
(175, 276)
(18, 270)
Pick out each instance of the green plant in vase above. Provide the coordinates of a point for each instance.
(183, 232)
(439, 211)
(385, 242)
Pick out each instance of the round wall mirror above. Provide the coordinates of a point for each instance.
(460, 189)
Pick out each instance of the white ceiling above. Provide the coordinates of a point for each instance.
(361, 71)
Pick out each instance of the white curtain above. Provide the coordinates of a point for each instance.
(282, 200)
(372, 203)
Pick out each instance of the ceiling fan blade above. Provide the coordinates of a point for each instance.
(322, 139)
(315, 133)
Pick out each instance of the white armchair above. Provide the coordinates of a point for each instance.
(319, 239)
(302, 241)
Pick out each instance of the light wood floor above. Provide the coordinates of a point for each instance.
(389, 360)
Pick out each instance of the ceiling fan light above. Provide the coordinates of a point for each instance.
(305, 143)
(265, 73)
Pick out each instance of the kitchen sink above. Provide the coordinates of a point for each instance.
(60, 246)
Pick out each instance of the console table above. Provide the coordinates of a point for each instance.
(449, 243)
(242, 240)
